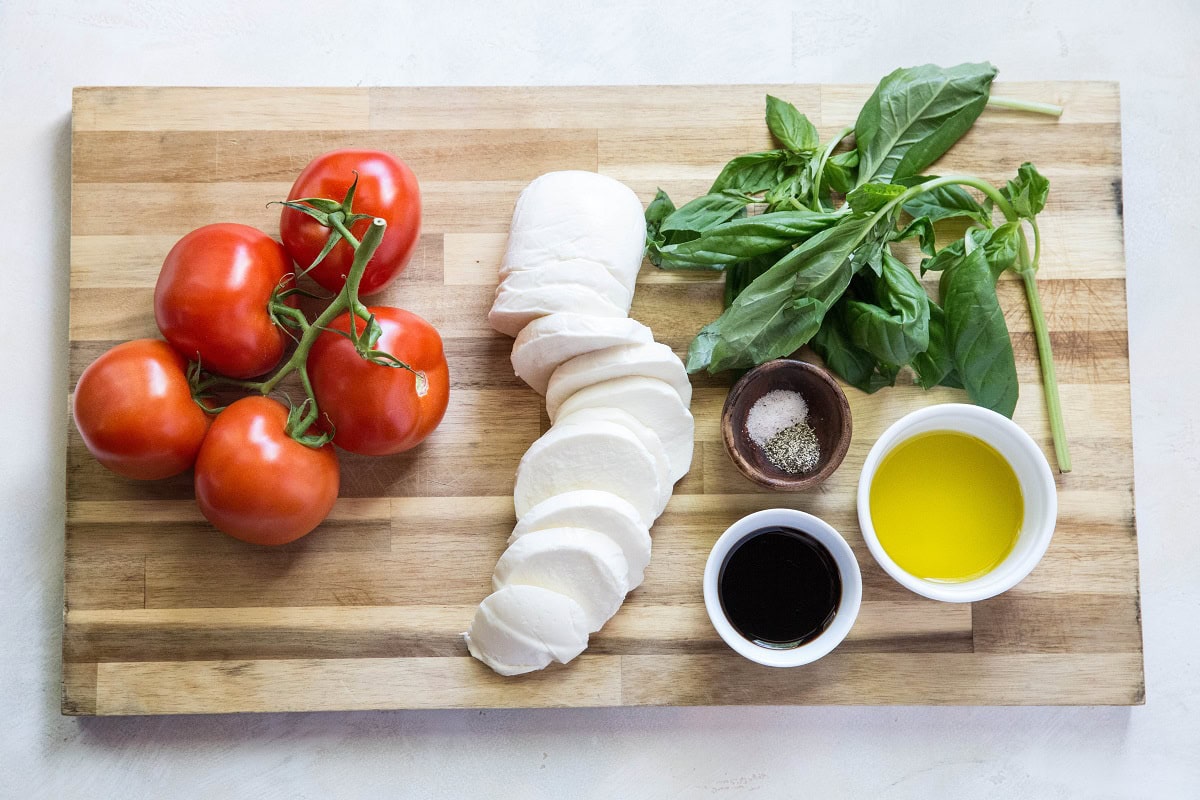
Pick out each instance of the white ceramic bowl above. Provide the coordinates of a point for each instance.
(843, 556)
(1033, 474)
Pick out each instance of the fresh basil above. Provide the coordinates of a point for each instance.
(945, 202)
(753, 172)
(740, 239)
(1027, 192)
(783, 308)
(809, 272)
(935, 366)
(740, 275)
(980, 346)
(891, 318)
(841, 171)
(789, 127)
(659, 209)
(855, 366)
(1000, 246)
(703, 213)
(922, 228)
(915, 115)
(873, 196)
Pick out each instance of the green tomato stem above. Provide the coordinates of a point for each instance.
(1025, 105)
(362, 254)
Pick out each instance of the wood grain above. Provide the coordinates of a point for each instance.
(166, 615)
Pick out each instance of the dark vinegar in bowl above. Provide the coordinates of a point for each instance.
(780, 587)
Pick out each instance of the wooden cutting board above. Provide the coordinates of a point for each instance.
(165, 615)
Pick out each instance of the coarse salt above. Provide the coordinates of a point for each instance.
(773, 412)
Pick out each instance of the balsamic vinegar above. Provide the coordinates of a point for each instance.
(780, 587)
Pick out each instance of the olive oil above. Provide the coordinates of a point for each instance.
(780, 587)
(946, 506)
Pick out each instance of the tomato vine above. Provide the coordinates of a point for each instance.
(338, 217)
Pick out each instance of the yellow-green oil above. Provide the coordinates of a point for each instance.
(946, 506)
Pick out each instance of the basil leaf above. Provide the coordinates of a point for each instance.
(659, 209)
(980, 346)
(873, 196)
(789, 127)
(1000, 246)
(705, 212)
(915, 115)
(870, 252)
(922, 228)
(1027, 192)
(783, 308)
(855, 366)
(935, 365)
(840, 171)
(740, 275)
(753, 172)
(741, 239)
(945, 202)
(894, 326)
(785, 195)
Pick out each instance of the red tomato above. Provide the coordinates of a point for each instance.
(212, 294)
(256, 483)
(135, 412)
(387, 188)
(375, 410)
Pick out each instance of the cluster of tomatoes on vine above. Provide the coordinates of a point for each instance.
(374, 378)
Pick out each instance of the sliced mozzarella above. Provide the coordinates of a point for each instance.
(577, 214)
(653, 403)
(513, 310)
(523, 628)
(584, 565)
(549, 341)
(579, 271)
(598, 511)
(647, 437)
(650, 360)
(598, 455)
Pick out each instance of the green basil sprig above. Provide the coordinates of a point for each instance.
(809, 271)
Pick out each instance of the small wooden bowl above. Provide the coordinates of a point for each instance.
(828, 414)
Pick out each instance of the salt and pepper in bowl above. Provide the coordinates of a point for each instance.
(786, 425)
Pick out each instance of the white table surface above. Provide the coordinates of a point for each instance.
(1152, 751)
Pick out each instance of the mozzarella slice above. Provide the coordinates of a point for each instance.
(549, 341)
(598, 455)
(653, 403)
(650, 360)
(595, 510)
(584, 565)
(580, 271)
(647, 437)
(576, 214)
(513, 310)
(523, 628)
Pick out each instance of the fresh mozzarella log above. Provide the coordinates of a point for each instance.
(595, 510)
(577, 214)
(653, 403)
(579, 271)
(647, 437)
(598, 455)
(523, 628)
(512, 311)
(650, 360)
(549, 341)
(584, 565)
